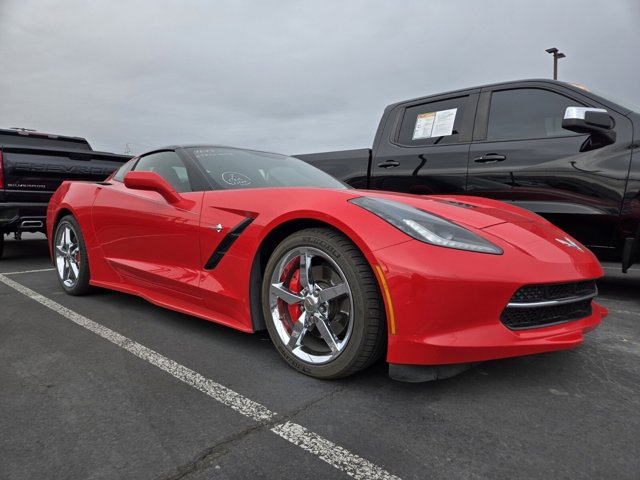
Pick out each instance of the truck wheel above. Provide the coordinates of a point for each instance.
(322, 305)
(70, 256)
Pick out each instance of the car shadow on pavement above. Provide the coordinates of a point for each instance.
(32, 246)
(621, 286)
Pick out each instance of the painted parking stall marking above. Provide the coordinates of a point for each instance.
(29, 271)
(311, 442)
(331, 453)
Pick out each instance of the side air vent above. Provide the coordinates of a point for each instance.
(224, 246)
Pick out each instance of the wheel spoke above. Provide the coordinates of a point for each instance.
(60, 250)
(65, 270)
(306, 279)
(333, 292)
(298, 332)
(60, 266)
(285, 294)
(74, 269)
(74, 253)
(67, 237)
(327, 334)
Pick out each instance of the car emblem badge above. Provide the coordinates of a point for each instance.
(218, 227)
(569, 243)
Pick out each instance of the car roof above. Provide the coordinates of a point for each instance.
(206, 145)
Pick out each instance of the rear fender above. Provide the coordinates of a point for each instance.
(73, 199)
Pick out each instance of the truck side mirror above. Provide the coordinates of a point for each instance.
(595, 122)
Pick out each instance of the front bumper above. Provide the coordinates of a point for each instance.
(447, 303)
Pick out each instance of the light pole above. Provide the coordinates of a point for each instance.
(556, 55)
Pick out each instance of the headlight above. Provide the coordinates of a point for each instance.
(426, 227)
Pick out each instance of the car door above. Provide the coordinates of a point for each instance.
(147, 240)
(521, 154)
(425, 146)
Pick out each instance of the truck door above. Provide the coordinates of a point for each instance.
(521, 154)
(424, 145)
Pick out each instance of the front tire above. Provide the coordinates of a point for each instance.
(70, 257)
(322, 305)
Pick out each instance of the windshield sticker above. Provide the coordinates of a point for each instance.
(202, 153)
(424, 125)
(434, 124)
(443, 124)
(235, 179)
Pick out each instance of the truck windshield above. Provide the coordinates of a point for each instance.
(232, 168)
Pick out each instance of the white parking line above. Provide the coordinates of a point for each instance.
(29, 271)
(331, 453)
(326, 450)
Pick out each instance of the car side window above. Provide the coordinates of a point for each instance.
(122, 171)
(527, 113)
(169, 166)
(433, 122)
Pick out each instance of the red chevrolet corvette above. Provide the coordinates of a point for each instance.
(338, 277)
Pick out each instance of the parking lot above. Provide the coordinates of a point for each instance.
(110, 386)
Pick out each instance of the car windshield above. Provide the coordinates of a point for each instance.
(232, 168)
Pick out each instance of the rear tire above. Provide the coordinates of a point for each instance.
(70, 257)
(322, 305)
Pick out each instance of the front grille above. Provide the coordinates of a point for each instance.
(554, 291)
(520, 318)
(534, 306)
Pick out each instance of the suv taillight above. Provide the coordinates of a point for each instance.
(1, 175)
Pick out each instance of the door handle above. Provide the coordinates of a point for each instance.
(389, 164)
(490, 158)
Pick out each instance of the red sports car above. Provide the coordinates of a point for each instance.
(338, 276)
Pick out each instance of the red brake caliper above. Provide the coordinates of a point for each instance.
(296, 287)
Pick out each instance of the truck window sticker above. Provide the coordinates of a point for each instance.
(434, 124)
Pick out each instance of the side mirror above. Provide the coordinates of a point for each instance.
(595, 122)
(154, 182)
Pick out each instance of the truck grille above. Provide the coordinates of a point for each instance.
(534, 306)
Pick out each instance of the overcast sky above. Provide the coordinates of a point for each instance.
(288, 76)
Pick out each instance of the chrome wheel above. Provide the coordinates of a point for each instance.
(311, 305)
(68, 256)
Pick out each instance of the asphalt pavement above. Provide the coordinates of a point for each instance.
(108, 386)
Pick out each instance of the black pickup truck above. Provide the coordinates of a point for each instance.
(33, 165)
(557, 149)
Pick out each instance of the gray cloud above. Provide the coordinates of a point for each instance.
(289, 76)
